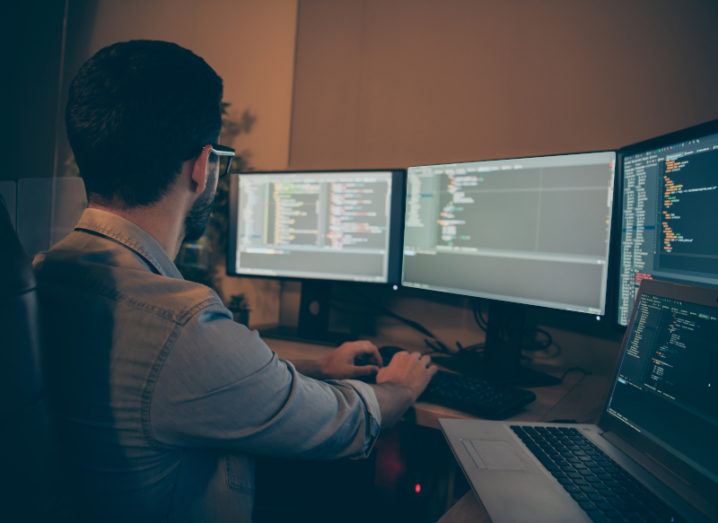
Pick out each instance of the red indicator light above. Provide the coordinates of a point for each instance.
(417, 488)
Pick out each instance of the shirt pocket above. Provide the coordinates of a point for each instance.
(240, 473)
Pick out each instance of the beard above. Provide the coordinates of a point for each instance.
(198, 216)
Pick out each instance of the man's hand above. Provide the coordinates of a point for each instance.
(339, 364)
(409, 369)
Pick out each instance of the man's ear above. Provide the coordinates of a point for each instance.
(200, 173)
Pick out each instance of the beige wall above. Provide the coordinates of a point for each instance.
(406, 82)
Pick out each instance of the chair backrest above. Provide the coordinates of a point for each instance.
(28, 470)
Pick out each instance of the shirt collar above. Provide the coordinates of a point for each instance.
(131, 236)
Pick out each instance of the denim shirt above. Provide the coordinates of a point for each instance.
(161, 400)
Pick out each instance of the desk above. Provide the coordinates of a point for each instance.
(579, 397)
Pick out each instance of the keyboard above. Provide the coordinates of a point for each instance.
(475, 395)
(468, 393)
(601, 487)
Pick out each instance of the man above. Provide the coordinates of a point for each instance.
(161, 398)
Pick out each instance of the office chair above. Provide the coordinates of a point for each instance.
(28, 470)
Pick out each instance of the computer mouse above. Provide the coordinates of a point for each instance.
(387, 353)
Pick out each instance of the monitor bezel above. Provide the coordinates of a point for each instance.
(664, 140)
(611, 239)
(396, 226)
(609, 423)
(689, 133)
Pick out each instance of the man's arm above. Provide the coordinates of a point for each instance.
(221, 386)
(394, 400)
(393, 394)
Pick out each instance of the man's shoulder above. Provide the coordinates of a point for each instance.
(99, 270)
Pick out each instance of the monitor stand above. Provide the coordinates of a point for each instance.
(313, 324)
(500, 359)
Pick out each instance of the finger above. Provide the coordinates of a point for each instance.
(365, 370)
(401, 356)
(369, 344)
(374, 351)
(432, 369)
(425, 360)
(353, 348)
(361, 347)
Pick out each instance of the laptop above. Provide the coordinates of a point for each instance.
(654, 454)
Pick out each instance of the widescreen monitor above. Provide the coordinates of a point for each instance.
(317, 225)
(669, 211)
(530, 231)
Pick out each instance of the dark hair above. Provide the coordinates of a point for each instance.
(135, 111)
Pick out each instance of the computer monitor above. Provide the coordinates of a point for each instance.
(318, 227)
(669, 209)
(532, 231)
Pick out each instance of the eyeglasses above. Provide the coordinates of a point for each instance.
(224, 155)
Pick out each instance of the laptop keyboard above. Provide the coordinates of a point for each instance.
(598, 484)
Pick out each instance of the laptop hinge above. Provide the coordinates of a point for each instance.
(677, 483)
(646, 460)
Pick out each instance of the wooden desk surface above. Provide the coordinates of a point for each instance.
(579, 397)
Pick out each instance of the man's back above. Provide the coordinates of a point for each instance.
(159, 394)
(108, 320)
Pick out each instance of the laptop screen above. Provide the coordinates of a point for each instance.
(667, 384)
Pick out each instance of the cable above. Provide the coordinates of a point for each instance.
(546, 353)
(548, 341)
(528, 341)
(432, 341)
(530, 345)
(476, 347)
(411, 323)
(535, 345)
(575, 369)
(482, 322)
(439, 347)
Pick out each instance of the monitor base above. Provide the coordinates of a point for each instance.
(498, 360)
(315, 304)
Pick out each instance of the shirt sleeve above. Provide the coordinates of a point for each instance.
(221, 386)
